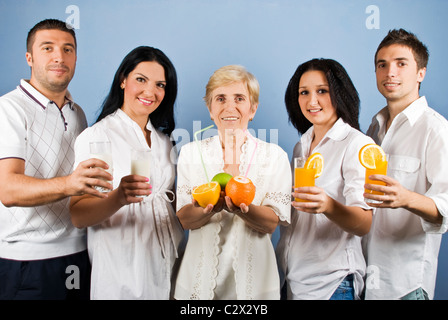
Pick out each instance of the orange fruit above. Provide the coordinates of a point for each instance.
(207, 193)
(372, 156)
(315, 161)
(241, 190)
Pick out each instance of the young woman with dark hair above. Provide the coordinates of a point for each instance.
(320, 252)
(343, 94)
(133, 234)
(163, 117)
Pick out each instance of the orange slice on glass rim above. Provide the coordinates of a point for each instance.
(372, 156)
(315, 161)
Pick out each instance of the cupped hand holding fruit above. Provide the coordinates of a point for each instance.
(231, 207)
(240, 192)
(208, 196)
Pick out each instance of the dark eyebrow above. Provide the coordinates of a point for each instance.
(319, 85)
(402, 59)
(396, 59)
(50, 42)
(141, 74)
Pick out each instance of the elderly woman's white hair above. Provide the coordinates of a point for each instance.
(230, 74)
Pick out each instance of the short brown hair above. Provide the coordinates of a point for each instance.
(408, 39)
(48, 24)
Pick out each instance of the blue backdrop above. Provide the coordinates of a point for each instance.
(270, 37)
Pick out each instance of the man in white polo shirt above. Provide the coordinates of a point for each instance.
(42, 256)
(408, 224)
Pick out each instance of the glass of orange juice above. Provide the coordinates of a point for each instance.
(303, 177)
(381, 168)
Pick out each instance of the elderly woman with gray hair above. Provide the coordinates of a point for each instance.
(229, 254)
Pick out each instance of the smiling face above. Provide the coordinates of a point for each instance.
(314, 99)
(230, 107)
(397, 75)
(52, 60)
(144, 90)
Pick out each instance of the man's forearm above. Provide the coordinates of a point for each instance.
(424, 207)
(19, 190)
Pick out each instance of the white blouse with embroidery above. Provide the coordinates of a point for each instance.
(226, 259)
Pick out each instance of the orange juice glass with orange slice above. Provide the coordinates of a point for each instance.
(381, 168)
(306, 170)
(374, 159)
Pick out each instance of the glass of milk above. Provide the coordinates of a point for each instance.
(141, 163)
(102, 150)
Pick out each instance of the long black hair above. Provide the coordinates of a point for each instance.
(163, 117)
(343, 94)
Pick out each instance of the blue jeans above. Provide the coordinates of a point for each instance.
(418, 294)
(345, 291)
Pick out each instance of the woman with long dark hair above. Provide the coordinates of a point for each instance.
(320, 252)
(163, 117)
(343, 94)
(133, 234)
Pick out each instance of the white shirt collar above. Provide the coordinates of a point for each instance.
(411, 112)
(123, 115)
(415, 110)
(39, 98)
(127, 120)
(338, 132)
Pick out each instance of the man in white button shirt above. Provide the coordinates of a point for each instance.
(42, 256)
(407, 228)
